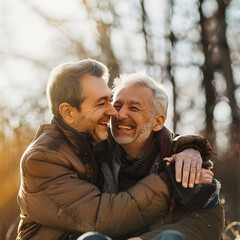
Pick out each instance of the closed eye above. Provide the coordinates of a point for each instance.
(134, 108)
(101, 104)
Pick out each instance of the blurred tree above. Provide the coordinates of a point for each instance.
(147, 35)
(208, 74)
(104, 15)
(169, 67)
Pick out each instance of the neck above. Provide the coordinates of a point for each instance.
(135, 149)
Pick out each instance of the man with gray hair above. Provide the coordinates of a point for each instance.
(144, 145)
(61, 182)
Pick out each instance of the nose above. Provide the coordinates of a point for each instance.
(122, 113)
(111, 111)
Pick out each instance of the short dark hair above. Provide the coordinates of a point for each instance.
(64, 83)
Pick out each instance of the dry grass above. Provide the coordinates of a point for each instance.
(13, 142)
(12, 145)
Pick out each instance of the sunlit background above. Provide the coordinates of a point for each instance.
(191, 46)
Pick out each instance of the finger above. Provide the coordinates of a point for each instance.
(168, 164)
(198, 173)
(169, 160)
(185, 174)
(208, 180)
(178, 169)
(206, 176)
(207, 172)
(211, 173)
(195, 158)
(193, 171)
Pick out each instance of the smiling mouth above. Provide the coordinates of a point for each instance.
(124, 127)
(103, 123)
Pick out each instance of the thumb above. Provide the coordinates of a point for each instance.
(169, 160)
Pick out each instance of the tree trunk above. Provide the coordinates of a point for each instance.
(208, 75)
(170, 42)
(104, 41)
(147, 37)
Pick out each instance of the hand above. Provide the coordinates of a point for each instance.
(188, 165)
(135, 238)
(206, 176)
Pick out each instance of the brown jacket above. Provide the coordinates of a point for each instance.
(199, 224)
(58, 194)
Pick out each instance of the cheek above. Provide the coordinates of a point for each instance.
(99, 113)
(93, 116)
(142, 121)
(145, 129)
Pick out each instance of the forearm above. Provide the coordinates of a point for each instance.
(201, 196)
(131, 210)
(63, 201)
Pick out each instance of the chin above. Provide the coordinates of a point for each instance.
(103, 137)
(99, 137)
(123, 139)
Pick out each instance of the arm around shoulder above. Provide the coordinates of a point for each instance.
(52, 194)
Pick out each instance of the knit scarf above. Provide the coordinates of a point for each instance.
(133, 170)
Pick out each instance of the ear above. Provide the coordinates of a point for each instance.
(67, 112)
(158, 121)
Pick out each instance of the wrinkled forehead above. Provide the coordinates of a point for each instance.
(138, 94)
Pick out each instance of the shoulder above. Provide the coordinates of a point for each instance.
(48, 146)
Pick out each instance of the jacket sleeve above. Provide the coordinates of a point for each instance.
(200, 196)
(197, 142)
(171, 144)
(52, 194)
(198, 225)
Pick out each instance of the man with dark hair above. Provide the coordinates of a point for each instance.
(61, 182)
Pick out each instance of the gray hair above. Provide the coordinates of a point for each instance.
(64, 83)
(159, 102)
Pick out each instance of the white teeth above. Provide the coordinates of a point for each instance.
(124, 127)
(103, 122)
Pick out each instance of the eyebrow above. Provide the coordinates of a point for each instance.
(105, 98)
(131, 102)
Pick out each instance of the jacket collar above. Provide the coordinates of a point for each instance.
(74, 137)
(78, 139)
